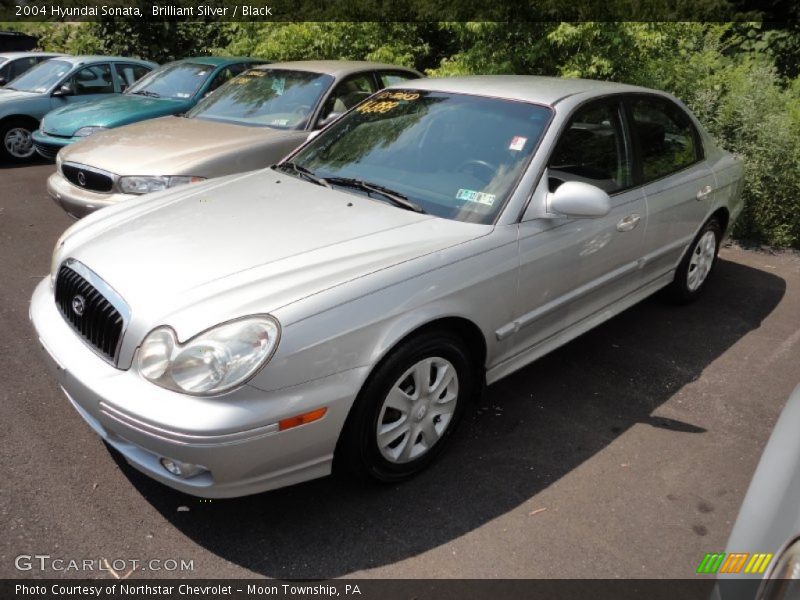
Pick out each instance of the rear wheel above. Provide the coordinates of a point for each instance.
(408, 408)
(17, 140)
(695, 267)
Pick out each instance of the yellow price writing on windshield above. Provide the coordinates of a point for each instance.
(376, 106)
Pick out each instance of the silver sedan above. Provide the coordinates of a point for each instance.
(340, 310)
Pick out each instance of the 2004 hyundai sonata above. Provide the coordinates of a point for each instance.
(341, 308)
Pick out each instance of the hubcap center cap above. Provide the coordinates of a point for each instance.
(421, 411)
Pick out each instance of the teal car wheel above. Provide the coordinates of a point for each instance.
(17, 140)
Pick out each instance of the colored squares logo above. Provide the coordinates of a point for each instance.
(733, 563)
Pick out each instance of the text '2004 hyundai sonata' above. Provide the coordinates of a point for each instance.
(341, 308)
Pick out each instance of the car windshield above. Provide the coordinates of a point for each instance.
(42, 77)
(177, 81)
(453, 155)
(267, 98)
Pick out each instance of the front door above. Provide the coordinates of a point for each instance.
(570, 268)
(89, 83)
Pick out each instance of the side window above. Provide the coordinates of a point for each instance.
(388, 78)
(19, 66)
(593, 150)
(95, 79)
(347, 94)
(667, 137)
(5, 73)
(129, 74)
(226, 75)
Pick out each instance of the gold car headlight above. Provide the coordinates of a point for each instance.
(146, 184)
(213, 362)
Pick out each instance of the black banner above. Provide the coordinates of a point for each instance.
(398, 10)
(371, 589)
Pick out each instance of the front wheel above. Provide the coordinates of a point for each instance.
(17, 140)
(693, 271)
(408, 408)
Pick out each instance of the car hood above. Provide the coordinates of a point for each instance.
(246, 244)
(168, 146)
(110, 112)
(15, 95)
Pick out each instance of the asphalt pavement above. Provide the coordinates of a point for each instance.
(625, 453)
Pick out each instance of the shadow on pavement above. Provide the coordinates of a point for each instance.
(553, 415)
(34, 161)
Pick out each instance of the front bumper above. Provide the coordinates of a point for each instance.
(233, 436)
(78, 202)
(48, 145)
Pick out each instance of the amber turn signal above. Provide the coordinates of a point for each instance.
(308, 417)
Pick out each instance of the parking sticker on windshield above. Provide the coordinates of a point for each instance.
(517, 143)
(473, 196)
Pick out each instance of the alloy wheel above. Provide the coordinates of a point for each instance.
(19, 143)
(417, 410)
(701, 261)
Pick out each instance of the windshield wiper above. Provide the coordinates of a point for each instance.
(147, 93)
(394, 197)
(302, 171)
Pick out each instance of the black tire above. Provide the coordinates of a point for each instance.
(357, 452)
(680, 291)
(8, 126)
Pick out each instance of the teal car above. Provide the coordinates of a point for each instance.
(171, 89)
(56, 83)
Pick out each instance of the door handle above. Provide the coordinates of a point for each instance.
(629, 222)
(704, 192)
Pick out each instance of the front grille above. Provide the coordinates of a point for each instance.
(87, 179)
(48, 151)
(89, 312)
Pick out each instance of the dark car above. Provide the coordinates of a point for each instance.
(14, 64)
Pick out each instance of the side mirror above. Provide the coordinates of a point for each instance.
(328, 120)
(578, 199)
(64, 90)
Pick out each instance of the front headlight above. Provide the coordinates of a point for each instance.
(213, 362)
(783, 579)
(87, 131)
(145, 184)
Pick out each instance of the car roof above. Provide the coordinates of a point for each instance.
(89, 59)
(337, 68)
(526, 88)
(17, 54)
(217, 61)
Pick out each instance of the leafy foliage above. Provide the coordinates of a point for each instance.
(742, 80)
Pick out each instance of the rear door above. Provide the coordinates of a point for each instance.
(345, 95)
(129, 73)
(678, 185)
